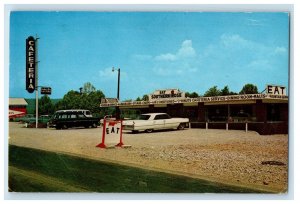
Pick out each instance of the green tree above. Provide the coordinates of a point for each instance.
(46, 106)
(213, 91)
(88, 88)
(89, 99)
(191, 95)
(225, 91)
(249, 89)
(145, 98)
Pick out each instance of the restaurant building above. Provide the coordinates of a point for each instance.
(266, 113)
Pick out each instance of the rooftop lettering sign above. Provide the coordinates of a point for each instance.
(166, 94)
(276, 90)
(201, 99)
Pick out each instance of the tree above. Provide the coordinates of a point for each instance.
(88, 88)
(213, 91)
(89, 99)
(46, 106)
(145, 98)
(191, 95)
(225, 91)
(249, 89)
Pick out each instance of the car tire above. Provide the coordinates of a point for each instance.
(149, 130)
(64, 126)
(181, 126)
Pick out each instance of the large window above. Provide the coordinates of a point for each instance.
(217, 113)
(273, 112)
(231, 113)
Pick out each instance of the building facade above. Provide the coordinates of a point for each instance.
(17, 107)
(266, 113)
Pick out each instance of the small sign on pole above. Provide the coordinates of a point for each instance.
(46, 90)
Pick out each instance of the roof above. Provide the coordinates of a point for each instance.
(109, 100)
(17, 102)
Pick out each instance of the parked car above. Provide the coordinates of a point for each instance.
(155, 121)
(72, 118)
(24, 118)
(42, 121)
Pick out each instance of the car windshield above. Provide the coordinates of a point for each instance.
(143, 117)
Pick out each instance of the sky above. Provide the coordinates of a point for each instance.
(192, 51)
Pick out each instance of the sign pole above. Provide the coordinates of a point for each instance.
(36, 84)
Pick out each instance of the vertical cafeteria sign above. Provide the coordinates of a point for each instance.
(30, 64)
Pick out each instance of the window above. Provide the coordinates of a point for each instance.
(63, 116)
(144, 117)
(162, 117)
(81, 115)
(273, 112)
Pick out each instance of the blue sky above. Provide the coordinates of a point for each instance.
(192, 51)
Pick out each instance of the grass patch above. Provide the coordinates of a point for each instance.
(32, 170)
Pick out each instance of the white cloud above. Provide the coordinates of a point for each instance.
(167, 57)
(185, 51)
(254, 22)
(235, 53)
(233, 40)
(280, 50)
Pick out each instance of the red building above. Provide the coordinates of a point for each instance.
(17, 107)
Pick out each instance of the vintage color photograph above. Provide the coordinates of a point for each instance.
(149, 102)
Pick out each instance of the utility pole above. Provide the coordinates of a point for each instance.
(36, 84)
(118, 94)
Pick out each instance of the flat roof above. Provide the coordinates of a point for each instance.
(230, 99)
(17, 102)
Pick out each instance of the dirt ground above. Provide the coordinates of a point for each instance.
(232, 157)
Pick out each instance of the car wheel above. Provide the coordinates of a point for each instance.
(65, 127)
(181, 126)
(94, 125)
(149, 130)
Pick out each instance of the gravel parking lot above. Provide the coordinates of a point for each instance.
(232, 157)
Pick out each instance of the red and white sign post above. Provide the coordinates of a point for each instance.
(111, 134)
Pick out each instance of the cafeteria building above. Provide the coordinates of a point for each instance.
(265, 113)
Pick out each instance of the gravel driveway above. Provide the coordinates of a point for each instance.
(232, 157)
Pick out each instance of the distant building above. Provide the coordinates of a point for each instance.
(266, 113)
(17, 107)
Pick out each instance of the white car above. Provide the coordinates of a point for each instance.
(155, 121)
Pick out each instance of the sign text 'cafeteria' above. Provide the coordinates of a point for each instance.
(30, 64)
